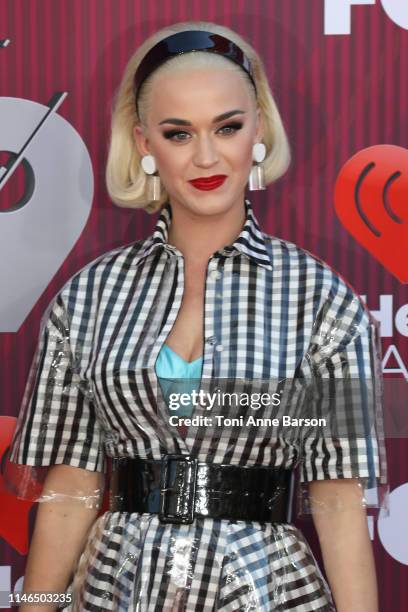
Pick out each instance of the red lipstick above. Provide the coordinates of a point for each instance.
(210, 182)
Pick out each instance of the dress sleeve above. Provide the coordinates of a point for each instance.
(57, 422)
(344, 358)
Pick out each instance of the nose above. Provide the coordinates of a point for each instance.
(205, 153)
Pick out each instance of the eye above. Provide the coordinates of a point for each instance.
(170, 135)
(232, 126)
(175, 135)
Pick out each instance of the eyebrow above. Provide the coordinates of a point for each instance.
(226, 115)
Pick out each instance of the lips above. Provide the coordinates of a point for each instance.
(207, 183)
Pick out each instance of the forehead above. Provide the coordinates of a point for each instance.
(196, 94)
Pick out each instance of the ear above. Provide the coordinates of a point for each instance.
(259, 125)
(141, 140)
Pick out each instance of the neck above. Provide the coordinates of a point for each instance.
(198, 236)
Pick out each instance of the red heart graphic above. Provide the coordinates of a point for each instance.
(14, 524)
(13, 511)
(371, 201)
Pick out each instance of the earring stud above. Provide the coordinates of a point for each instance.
(256, 179)
(148, 164)
(153, 186)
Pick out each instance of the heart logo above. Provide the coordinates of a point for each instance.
(14, 525)
(371, 201)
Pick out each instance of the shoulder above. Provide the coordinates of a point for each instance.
(335, 296)
(290, 257)
(103, 269)
(114, 259)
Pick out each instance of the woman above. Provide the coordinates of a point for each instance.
(207, 296)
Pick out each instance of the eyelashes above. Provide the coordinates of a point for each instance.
(170, 134)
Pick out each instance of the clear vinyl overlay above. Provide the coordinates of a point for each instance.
(296, 390)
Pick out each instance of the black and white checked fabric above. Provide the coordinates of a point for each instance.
(272, 311)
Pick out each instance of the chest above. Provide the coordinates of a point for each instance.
(251, 328)
(248, 320)
(186, 335)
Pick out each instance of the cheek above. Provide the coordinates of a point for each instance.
(170, 164)
(170, 159)
(243, 154)
(243, 146)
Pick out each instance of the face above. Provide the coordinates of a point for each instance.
(201, 124)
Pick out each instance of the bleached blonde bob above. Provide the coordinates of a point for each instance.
(125, 178)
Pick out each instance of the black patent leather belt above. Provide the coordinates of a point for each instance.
(179, 488)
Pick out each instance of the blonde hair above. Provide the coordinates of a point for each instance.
(125, 178)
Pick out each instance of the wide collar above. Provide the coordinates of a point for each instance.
(250, 240)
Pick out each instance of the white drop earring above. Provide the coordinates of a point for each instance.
(153, 186)
(256, 179)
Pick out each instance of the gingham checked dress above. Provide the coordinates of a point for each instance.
(272, 311)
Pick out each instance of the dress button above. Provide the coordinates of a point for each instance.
(215, 274)
(219, 347)
(211, 340)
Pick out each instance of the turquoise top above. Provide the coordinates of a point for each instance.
(171, 370)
